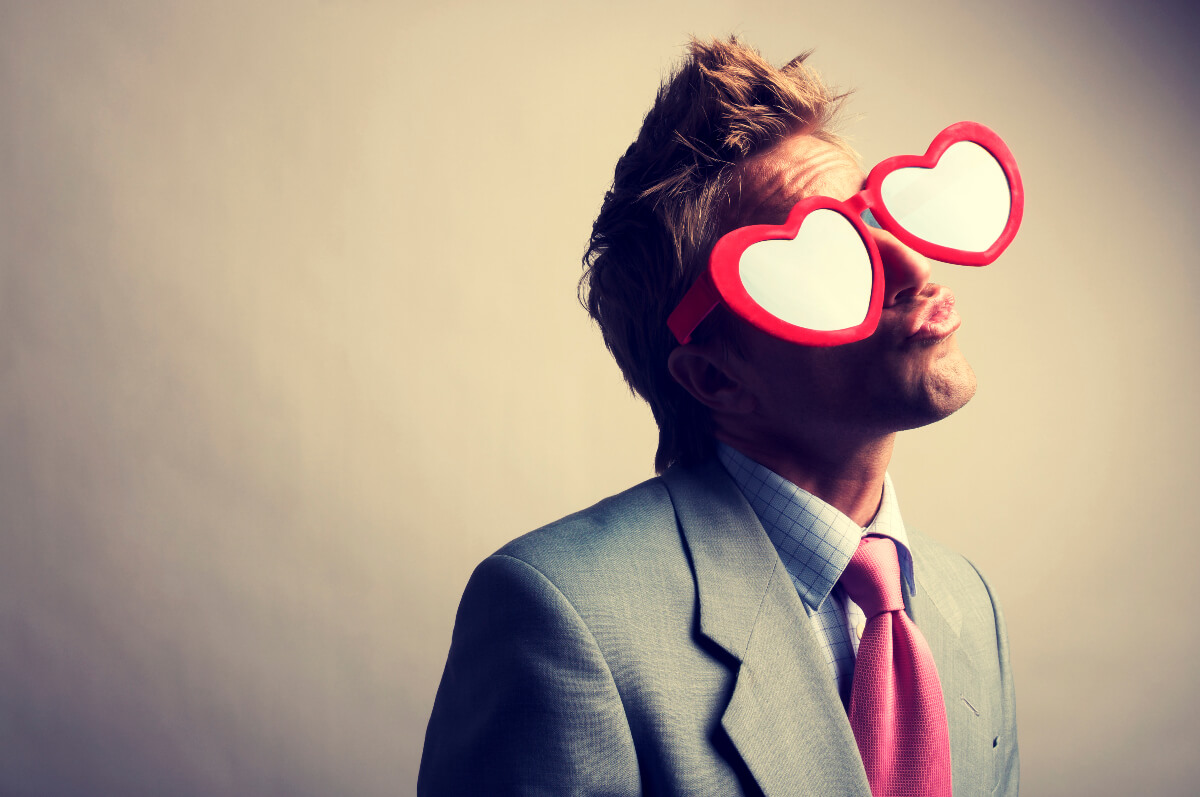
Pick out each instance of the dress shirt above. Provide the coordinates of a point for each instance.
(815, 542)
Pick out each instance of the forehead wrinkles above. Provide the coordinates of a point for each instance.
(771, 183)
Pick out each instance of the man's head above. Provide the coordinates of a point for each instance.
(774, 399)
(732, 141)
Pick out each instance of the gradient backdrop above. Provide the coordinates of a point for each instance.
(289, 342)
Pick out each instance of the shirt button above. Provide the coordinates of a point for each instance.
(858, 629)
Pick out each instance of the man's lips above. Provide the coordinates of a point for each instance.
(934, 318)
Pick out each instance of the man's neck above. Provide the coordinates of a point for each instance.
(847, 476)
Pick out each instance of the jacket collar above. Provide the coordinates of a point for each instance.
(785, 712)
(780, 717)
(969, 706)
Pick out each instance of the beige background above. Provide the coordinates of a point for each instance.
(289, 342)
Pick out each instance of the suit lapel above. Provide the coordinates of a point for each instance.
(968, 707)
(785, 717)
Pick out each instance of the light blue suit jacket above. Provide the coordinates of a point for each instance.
(655, 644)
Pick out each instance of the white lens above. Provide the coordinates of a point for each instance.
(962, 203)
(820, 280)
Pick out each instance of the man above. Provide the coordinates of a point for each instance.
(708, 631)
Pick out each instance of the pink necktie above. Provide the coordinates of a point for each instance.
(896, 708)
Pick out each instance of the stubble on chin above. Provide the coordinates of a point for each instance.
(949, 384)
(932, 389)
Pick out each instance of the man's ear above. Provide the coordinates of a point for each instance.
(706, 373)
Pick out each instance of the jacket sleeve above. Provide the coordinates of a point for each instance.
(527, 704)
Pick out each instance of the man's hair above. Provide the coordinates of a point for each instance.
(670, 201)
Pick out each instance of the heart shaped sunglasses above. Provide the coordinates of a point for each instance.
(817, 279)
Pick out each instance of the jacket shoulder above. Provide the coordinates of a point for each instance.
(621, 564)
(635, 523)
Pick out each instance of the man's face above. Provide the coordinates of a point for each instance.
(907, 374)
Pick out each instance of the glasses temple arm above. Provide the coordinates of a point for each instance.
(697, 303)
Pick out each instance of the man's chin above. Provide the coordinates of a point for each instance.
(939, 390)
(948, 387)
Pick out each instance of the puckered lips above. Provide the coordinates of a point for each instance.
(934, 319)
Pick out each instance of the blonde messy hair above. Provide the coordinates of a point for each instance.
(671, 199)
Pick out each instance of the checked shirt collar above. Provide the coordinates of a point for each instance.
(815, 541)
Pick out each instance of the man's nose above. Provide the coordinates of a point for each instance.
(905, 273)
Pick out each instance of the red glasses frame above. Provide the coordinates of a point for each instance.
(722, 282)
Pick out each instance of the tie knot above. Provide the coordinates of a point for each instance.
(872, 579)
